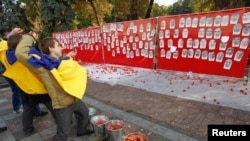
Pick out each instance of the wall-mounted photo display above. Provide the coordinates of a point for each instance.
(225, 20)
(229, 52)
(228, 64)
(244, 43)
(236, 41)
(246, 18)
(197, 54)
(219, 57)
(238, 55)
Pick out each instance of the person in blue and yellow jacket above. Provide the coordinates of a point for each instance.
(64, 79)
(29, 85)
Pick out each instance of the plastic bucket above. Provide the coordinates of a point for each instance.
(99, 122)
(137, 136)
(114, 128)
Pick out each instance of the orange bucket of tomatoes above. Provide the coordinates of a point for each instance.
(114, 128)
(137, 136)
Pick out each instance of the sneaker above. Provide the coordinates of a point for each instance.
(18, 111)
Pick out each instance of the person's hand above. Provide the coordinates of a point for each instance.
(33, 34)
(17, 30)
(71, 54)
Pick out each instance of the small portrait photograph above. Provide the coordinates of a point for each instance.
(184, 33)
(144, 36)
(180, 43)
(236, 42)
(209, 33)
(234, 18)
(152, 45)
(153, 31)
(140, 44)
(238, 55)
(211, 56)
(224, 20)
(229, 52)
(122, 44)
(176, 33)
(168, 54)
(113, 53)
(212, 44)
(175, 54)
(141, 28)
(195, 22)
(170, 43)
(167, 33)
(237, 29)
(136, 38)
(204, 55)
(184, 53)
(135, 29)
(188, 22)
(124, 50)
(163, 53)
(131, 25)
(202, 21)
(246, 30)
(219, 57)
(161, 34)
(161, 43)
(217, 20)
(118, 50)
(163, 24)
(131, 54)
(134, 46)
(146, 45)
(148, 27)
(189, 43)
(172, 24)
(217, 33)
(201, 33)
(131, 39)
(223, 46)
(228, 64)
(244, 43)
(203, 43)
(197, 54)
(209, 21)
(150, 54)
(196, 43)
(116, 42)
(190, 53)
(246, 18)
(182, 22)
(128, 31)
(137, 52)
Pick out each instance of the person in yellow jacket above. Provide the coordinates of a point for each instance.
(29, 85)
(64, 79)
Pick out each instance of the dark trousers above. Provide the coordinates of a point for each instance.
(29, 103)
(64, 120)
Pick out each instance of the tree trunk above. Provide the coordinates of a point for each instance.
(150, 6)
(134, 10)
(96, 16)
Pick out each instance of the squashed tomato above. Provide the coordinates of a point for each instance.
(114, 127)
(136, 137)
(100, 122)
